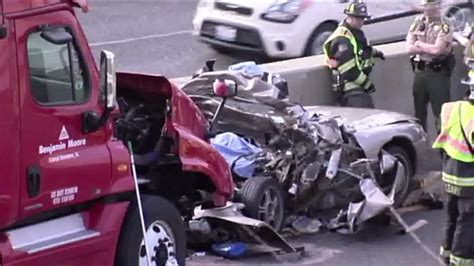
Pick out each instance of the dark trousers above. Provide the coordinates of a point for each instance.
(357, 98)
(459, 233)
(430, 86)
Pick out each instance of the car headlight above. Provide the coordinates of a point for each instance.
(285, 11)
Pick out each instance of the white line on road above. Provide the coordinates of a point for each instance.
(164, 35)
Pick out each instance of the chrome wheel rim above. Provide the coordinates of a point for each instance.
(161, 244)
(269, 209)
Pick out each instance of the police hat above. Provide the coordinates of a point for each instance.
(357, 10)
(429, 3)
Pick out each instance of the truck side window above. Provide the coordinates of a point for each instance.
(57, 74)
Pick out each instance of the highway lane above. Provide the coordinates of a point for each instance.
(154, 36)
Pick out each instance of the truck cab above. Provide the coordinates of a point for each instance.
(67, 185)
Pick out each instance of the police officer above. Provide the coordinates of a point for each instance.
(429, 41)
(351, 58)
(456, 141)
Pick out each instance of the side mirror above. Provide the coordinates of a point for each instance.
(91, 120)
(224, 88)
(108, 78)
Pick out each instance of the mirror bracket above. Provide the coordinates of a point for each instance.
(91, 121)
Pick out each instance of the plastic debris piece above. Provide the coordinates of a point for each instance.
(305, 225)
(230, 249)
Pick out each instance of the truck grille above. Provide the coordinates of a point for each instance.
(241, 10)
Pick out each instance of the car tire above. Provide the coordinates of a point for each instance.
(403, 157)
(263, 200)
(163, 223)
(221, 49)
(460, 16)
(320, 35)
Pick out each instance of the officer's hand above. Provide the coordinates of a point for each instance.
(379, 54)
(371, 89)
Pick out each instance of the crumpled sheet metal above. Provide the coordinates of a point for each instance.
(375, 203)
(252, 90)
(255, 110)
(252, 228)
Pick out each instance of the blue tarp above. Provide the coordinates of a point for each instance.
(233, 147)
(248, 68)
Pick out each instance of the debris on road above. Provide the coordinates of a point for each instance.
(291, 160)
(305, 225)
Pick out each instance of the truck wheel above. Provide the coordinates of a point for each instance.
(389, 177)
(165, 234)
(263, 200)
(317, 39)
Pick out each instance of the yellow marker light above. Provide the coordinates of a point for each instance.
(122, 168)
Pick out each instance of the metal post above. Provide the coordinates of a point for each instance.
(140, 210)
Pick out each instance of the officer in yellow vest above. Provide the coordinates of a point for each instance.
(351, 58)
(456, 141)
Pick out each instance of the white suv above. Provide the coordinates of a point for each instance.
(294, 28)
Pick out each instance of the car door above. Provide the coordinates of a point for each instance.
(60, 164)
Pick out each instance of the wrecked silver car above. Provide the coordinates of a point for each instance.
(289, 159)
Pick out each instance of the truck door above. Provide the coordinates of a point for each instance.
(60, 165)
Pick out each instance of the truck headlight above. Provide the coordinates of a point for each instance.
(285, 11)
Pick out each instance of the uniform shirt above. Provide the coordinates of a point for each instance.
(343, 51)
(429, 32)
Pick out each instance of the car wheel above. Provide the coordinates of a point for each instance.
(460, 17)
(165, 234)
(318, 38)
(263, 200)
(388, 178)
(221, 49)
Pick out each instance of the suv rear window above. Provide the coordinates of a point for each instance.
(57, 74)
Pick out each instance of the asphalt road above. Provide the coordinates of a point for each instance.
(154, 36)
(151, 36)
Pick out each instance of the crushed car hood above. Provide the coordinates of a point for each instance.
(361, 119)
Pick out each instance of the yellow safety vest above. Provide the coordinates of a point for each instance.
(343, 31)
(458, 165)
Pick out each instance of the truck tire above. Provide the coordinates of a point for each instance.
(165, 234)
(263, 200)
(405, 160)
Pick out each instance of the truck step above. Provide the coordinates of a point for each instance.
(50, 234)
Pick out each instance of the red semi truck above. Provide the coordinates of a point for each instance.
(66, 187)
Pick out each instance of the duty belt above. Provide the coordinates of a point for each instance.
(437, 65)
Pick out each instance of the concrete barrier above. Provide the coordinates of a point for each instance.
(309, 80)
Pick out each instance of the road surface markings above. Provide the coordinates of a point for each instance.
(155, 36)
